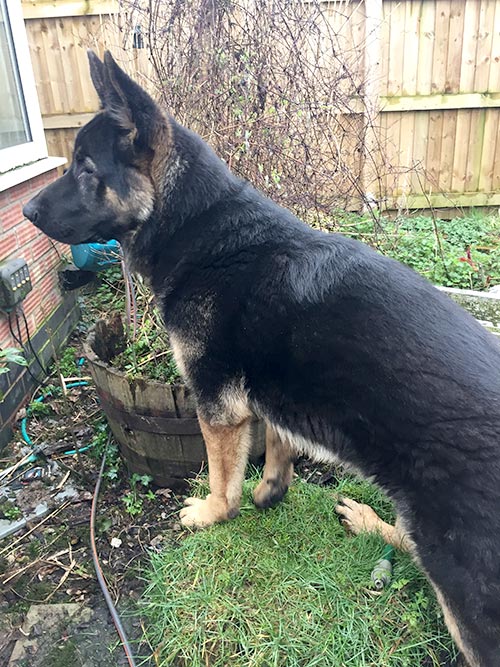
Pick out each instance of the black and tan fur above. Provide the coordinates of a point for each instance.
(346, 354)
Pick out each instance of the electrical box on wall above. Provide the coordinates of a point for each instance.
(15, 283)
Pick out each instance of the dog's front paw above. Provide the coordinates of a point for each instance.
(200, 513)
(356, 517)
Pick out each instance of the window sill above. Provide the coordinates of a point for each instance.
(29, 171)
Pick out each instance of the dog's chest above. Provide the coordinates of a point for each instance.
(188, 326)
(187, 350)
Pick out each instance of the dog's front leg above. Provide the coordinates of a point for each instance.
(227, 450)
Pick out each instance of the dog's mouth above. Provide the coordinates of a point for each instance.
(95, 237)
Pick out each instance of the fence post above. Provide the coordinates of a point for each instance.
(372, 190)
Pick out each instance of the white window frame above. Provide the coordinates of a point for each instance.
(36, 149)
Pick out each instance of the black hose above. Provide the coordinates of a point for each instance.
(18, 340)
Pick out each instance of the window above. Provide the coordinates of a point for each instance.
(22, 140)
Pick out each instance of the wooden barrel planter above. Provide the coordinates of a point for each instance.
(155, 424)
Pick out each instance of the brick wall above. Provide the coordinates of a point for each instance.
(51, 315)
(19, 238)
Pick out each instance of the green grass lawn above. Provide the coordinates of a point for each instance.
(288, 588)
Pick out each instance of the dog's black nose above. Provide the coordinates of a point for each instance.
(30, 211)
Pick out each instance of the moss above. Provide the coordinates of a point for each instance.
(63, 654)
(37, 591)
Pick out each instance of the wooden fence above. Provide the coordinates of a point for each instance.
(433, 68)
(440, 95)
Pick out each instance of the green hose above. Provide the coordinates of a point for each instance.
(382, 572)
(40, 399)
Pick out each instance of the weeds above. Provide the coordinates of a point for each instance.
(67, 362)
(39, 409)
(149, 354)
(465, 254)
(134, 499)
(9, 511)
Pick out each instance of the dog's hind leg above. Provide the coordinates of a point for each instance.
(467, 657)
(278, 471)
(359, 518)
(227, 450)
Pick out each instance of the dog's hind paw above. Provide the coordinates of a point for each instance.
(200, 513)
(269, 492)
(357, 518)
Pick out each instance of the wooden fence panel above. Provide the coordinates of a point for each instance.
(441, 72)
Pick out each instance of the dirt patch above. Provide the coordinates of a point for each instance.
(59, 635)
(46, 567)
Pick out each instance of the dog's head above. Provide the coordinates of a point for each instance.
(109, 189)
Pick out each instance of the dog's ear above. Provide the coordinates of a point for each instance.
(129, 104)
(97, 74)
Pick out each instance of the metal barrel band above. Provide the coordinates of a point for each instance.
(152, 424)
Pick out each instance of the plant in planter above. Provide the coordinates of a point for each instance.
(150, 410)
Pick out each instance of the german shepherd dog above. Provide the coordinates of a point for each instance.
(347, 355)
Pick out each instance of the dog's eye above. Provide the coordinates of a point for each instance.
(85, 167)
